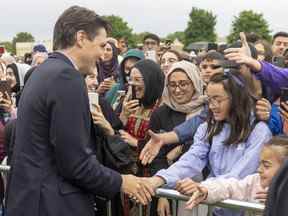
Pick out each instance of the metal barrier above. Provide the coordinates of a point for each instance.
(231, 204)
(176, 196)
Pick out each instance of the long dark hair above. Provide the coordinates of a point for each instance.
(153, 81)
(242, 105)
(267, 50)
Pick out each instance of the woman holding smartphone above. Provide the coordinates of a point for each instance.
(107, 68)
(146, 87)
(143, 97)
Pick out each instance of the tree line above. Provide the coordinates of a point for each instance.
(200, 27)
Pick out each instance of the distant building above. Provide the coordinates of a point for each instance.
(26, 47)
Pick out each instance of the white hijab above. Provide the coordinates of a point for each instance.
(196, 105)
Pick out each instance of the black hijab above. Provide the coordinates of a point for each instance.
(108, 68)
(14, 68)
(153, 81)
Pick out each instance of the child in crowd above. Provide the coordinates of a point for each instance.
(252, 188)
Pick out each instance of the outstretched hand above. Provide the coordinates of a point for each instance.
(151, 149)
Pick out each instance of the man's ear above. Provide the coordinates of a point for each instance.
(80, 38)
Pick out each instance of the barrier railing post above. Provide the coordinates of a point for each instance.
(109, 208)
(174, 207)
(210, 210)
(231, 204)
(140, 209)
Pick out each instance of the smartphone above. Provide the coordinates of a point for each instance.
(284, 96)
(121, 93)
(151, 54)
(93, 99)
(133, 93)
(279, 61)
(109, 78)
(5, 87)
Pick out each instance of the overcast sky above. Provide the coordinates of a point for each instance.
(158, 16)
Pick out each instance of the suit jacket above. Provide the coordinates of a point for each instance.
(55, 171)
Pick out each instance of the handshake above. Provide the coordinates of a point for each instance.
(141, 189)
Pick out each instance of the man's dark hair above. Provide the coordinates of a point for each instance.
(71, 21)
(213, 55)
(153, 37)
(279, 34)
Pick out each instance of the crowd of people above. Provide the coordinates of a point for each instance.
(98, 120)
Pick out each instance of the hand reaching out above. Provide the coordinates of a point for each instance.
(151, 149)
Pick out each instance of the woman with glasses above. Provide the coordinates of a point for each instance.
(229, 142)
(182, 99)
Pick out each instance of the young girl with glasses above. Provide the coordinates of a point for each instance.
(229, 142)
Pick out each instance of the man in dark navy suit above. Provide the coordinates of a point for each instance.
(54, 170)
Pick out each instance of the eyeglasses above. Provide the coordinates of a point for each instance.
(168, 61)
(136, 81)
(217, 100)
(182, 84)
(212, 66)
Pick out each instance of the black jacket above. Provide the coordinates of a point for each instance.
(54, 169)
